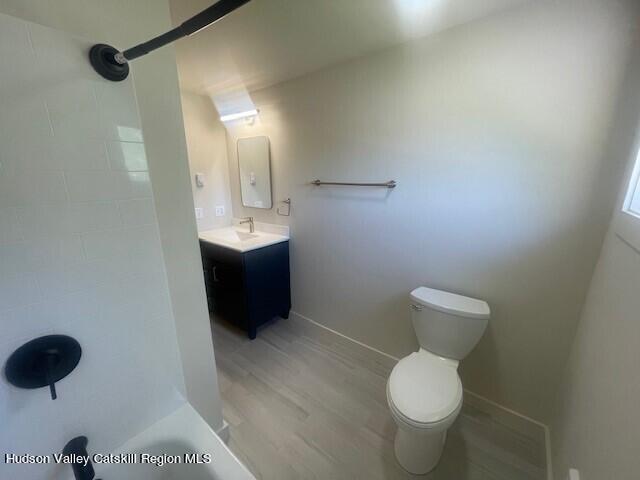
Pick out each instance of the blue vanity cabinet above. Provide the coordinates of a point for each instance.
(250, 288)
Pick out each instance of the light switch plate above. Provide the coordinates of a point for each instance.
(199, 213)
(200, 180)
(220, 211)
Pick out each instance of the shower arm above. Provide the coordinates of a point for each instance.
(199, 22)
(112, 64)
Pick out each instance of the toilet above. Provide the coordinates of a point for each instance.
(424, 390)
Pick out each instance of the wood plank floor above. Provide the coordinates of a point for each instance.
(301, 410)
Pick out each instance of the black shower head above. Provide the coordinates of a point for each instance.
(112, 64)
(103, 60)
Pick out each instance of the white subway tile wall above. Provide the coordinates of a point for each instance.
(80, 252)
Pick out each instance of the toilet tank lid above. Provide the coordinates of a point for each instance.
(451, 303)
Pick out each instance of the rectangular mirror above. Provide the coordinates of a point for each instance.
(254, 164)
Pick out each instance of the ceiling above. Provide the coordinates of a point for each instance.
(268, 41)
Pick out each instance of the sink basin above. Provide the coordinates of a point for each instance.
(245, 236)
(233, 235)
(239, 240)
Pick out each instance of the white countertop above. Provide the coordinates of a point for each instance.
(240, 240)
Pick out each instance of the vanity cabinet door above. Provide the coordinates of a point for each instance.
(247, 289)
(224, 280)
(208, 284)
(267, 281)
(227, 276)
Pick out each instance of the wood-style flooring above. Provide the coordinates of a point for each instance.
(301, 410)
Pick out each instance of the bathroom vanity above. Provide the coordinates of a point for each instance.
(246, 276)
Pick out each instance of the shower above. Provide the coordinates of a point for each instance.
(113, 64)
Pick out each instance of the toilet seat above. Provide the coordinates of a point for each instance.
(425, 391)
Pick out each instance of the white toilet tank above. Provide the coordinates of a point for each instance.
(447, 324)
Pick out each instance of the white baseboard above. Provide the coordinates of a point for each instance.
(323, 334)
(223, 432)
(517, 422)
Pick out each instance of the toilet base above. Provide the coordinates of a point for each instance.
(419, 453)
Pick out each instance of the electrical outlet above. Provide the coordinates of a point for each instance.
(220, 211)
(199, 213)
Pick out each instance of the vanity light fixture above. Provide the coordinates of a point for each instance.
(249, 114)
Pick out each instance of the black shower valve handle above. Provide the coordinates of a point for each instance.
(51, 360)
(43, 362)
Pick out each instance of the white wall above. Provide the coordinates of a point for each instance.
(82, 255)
(207, 147)
(495, 132)
(124, 23)
(596, 427)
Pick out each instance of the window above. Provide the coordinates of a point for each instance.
(632, 202)
(627, 223)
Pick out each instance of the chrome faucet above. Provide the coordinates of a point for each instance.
(249, 220)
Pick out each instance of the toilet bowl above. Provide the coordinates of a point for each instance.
(424, 390)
